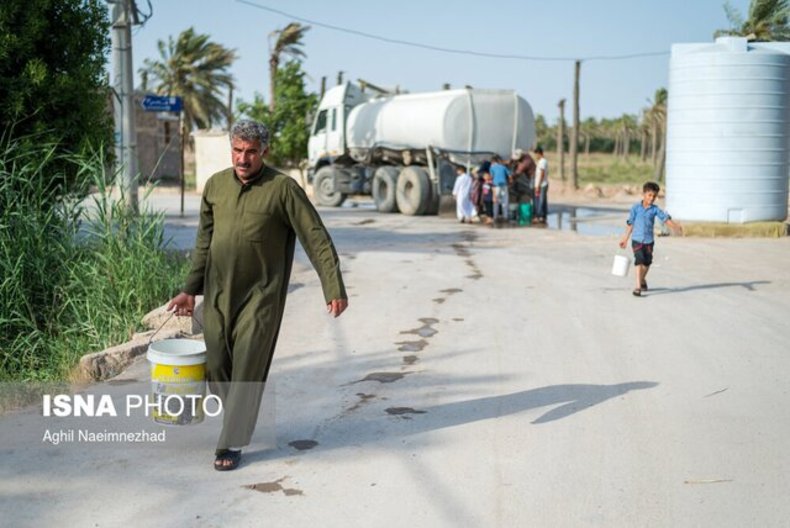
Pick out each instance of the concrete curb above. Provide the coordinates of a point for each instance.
(112, 361)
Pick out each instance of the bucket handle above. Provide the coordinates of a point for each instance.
(172, 313)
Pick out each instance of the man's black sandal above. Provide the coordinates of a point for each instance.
(637, 292)
(227, 460)
(643, 286)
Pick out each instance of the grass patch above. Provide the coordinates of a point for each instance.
(750, 230)
(600, 168)
(75, 279)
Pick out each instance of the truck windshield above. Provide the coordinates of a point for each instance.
(320, 123)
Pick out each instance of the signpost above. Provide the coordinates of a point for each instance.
(168, 103)
(162, 103)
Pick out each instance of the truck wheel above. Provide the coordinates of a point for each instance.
(413, 191)
(384, 189)
(324, 188)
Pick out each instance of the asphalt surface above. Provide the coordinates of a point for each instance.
(480, 378)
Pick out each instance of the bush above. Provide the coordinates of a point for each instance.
(53, 55)
(77, 276)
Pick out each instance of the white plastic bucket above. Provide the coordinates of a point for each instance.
(178, 380)
(620, 265)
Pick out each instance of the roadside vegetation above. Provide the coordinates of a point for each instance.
(77, 274)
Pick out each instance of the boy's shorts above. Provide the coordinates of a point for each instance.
(643, 253)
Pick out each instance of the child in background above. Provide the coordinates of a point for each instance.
(488, 197)
(641, 222)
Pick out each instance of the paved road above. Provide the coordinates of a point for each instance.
(481, 378)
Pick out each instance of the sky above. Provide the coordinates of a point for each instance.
(564, 30)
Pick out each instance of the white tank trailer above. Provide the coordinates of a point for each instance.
(401, 148)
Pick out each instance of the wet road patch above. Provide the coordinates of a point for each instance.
(411, 346)
(273, 487)
(383, 377)
(425, 330)
(303, 445)
(403, 411)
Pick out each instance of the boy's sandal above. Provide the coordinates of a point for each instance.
(227, 460)
(637, 292)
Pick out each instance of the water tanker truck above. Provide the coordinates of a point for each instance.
(401, 148)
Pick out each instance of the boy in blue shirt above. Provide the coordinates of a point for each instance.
(641, 220)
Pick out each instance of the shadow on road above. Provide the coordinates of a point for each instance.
(750, 285)
(565, 400)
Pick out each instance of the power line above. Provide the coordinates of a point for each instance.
(450, 50)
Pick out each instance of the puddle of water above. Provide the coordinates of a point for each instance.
(403, 410)
(400, 411)
(272, 487)
(592, 221)
(409, 360)
(412, 346)
(303, 445)
(383, 377)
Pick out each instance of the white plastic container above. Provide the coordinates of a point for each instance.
(178, 380)
(620, 265)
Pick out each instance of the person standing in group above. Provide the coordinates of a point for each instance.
(487, 197)
(541, 187)
(523, 173)
(250, 217)
(462, 189)
(500, 176)
(641, 223)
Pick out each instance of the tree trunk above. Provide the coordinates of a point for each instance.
(274, 61)
(662, 158)
(575, 135)
(654, 144)
(230, 106)
(643, 146)
(626, 144)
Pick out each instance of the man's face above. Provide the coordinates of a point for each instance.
(247, 157)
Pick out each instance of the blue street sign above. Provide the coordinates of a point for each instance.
(162, 103)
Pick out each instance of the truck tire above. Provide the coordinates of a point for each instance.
(324, 188)
(413, 190)
(385, 180)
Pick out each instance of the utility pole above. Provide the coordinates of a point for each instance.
(124, 14)
(575, 133)
(561, 139)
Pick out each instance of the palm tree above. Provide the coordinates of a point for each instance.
(195, 69)
(656, 117)
(288, 41)
(767, 21)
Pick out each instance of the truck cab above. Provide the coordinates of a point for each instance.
(327, 136)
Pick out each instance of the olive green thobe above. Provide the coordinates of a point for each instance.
(242, 264)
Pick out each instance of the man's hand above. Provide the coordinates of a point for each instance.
(337, 306)
(183, 303)
(623, 242)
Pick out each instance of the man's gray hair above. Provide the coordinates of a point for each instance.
(250, 130)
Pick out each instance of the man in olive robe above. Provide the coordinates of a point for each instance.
(250, 217)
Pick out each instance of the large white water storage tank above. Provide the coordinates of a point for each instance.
(728, 131)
